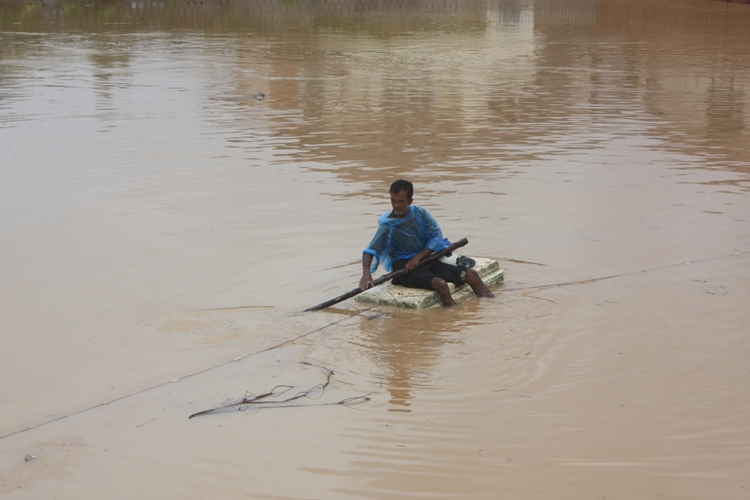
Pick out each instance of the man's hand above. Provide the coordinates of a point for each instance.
(366, 281)
(413, 263)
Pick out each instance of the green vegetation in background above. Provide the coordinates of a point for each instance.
(53, 16)
(394, 18)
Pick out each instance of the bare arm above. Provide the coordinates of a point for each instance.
(366, 281)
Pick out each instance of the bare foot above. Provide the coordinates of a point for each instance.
(449, 302)
(477, 285)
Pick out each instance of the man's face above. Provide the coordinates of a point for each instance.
(400, 203)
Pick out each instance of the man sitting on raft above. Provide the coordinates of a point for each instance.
(407, 235)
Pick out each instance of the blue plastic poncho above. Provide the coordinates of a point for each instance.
(398, 239)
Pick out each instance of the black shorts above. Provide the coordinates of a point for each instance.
(422, 276)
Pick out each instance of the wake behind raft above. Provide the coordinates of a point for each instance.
(414, 298)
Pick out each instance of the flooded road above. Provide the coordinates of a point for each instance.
(178, 180)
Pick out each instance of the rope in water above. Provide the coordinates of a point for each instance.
(620, 275)
(358, 313)
(61, 417)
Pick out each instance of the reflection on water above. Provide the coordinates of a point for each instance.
(443, 91)
(405, 349)
(158, 216)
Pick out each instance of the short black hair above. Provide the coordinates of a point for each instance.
(402, 185)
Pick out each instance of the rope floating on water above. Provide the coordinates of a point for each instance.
(115, 400)
(620, 275)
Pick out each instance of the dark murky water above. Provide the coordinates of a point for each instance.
(163, 163)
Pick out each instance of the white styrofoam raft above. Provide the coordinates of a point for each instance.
(415, 298)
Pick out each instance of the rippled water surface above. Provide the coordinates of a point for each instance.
(179, 179)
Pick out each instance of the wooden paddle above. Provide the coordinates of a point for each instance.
(429, 260)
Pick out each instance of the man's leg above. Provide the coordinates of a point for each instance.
(477, 285)
(441, 287)
(426, 279)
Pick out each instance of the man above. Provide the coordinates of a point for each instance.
(404, 237)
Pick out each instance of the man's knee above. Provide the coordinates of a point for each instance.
(472, 276)
(439, 285)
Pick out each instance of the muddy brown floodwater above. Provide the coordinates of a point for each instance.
(179, 179)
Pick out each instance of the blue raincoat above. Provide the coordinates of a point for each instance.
(398, 239)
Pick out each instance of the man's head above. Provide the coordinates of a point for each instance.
(402, 185)
(401, 194)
